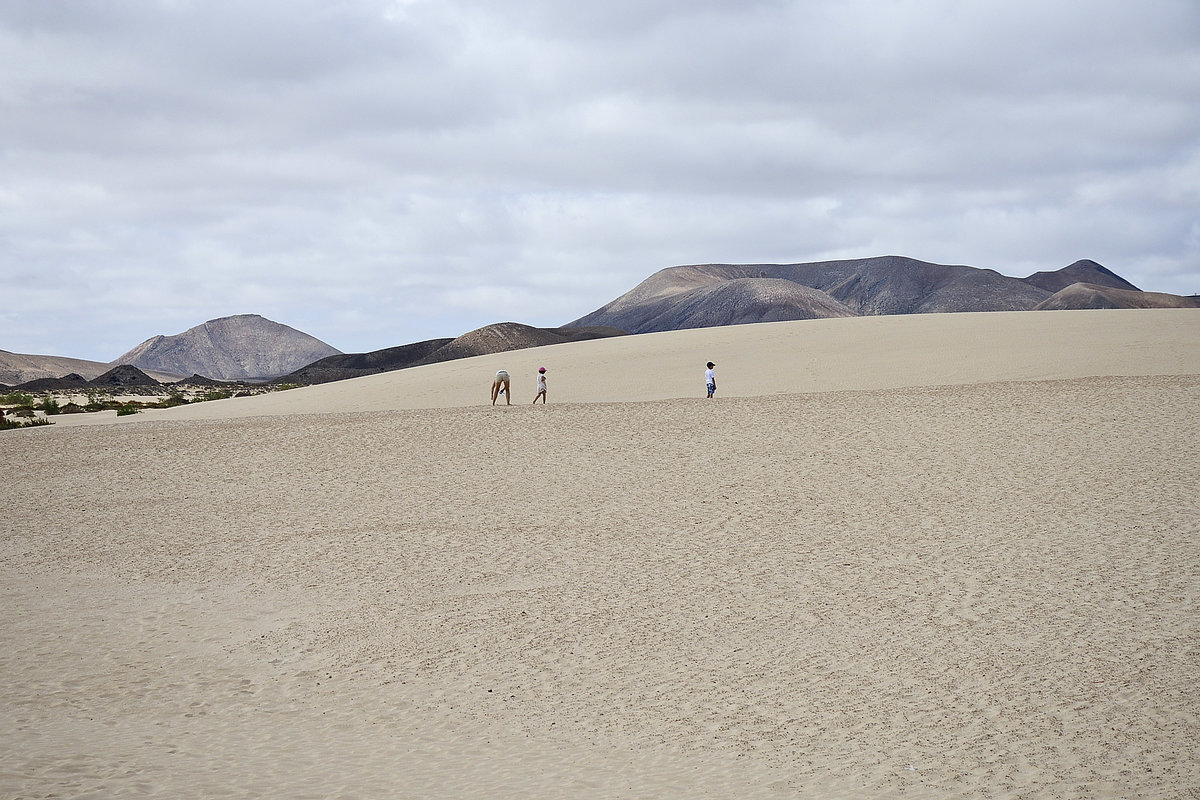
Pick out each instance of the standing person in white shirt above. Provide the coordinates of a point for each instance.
(541, 386)
(710, 378)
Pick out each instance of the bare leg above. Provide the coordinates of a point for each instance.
(495, 391)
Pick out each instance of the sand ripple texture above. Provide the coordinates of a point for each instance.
(969, 591)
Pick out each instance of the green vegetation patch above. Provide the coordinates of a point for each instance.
(11, 422)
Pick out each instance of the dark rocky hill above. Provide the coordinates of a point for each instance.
(498, 338)
(120, 377)
(352, 365)
(1084, 271)
(243, 347)
(66, 383)
(898, 285)
(123, 376)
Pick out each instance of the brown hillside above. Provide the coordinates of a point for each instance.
(353, 365)
(1087, 295)
(18, 368)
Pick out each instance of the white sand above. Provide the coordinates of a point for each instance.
(764, 359)
(950, 586)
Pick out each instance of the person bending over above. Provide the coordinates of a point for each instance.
(501, 384)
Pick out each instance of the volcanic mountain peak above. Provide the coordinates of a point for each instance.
(241, 347)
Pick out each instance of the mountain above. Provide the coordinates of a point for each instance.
(1084, 271)
(498, 338)
(1090, 295)
(709, 295)
(242, 347)
(688, 296)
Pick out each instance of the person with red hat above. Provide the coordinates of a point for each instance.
(541, 386)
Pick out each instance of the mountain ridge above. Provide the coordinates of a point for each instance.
(690, 296)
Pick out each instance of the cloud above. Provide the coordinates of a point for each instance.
(381, 172)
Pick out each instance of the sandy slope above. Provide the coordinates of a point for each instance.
(763, 359)
(960, 590)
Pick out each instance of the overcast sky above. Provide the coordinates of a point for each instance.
(379, 172)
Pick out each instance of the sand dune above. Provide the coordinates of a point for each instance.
(764, 359)
(975, 579)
